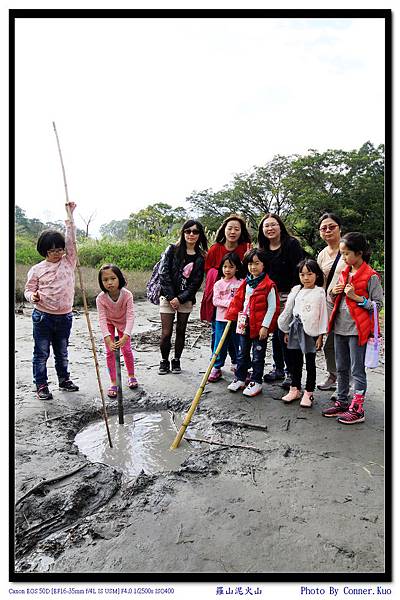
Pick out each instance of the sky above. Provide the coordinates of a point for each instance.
(149, 110)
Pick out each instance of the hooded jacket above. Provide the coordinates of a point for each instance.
(172, 276)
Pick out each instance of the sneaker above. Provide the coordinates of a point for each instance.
(274, 375)
(337, 410)
(293, 394)
(132, 383)
(43, 392)
(68, 386)
(355, 414)
(287, 383)
(164, 367)
(253, 389)
(176, 365)
(215, 375)
(307, 399)
(236, 385)
(328, 384)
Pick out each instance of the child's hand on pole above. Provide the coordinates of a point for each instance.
(111, 345)
(319, 342)
(122, 341)
(70, 207)
(263, 333)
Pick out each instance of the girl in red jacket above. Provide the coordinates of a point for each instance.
(352, 321)
(255, 306)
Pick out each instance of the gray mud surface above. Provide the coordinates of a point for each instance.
(308, 498)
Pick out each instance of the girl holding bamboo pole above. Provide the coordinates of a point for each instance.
(50, 288)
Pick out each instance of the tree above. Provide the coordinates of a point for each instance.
(155, 221)
(115, 229)
(251, 194)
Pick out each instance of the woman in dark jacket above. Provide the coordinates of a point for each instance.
(284, 253)
(181, 275)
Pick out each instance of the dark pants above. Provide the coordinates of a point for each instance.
(258, 348)
(231, 342)
(279, 351)
(51, 330)
(232, 349)
(296, 368)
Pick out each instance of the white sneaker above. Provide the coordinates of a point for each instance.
(236, 385)
(253, 389)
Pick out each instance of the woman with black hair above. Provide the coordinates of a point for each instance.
(181, 275)
(283, 255)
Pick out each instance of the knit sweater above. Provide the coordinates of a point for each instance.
(223, 294)
(119, 313)
(55, 282)
(310, 305)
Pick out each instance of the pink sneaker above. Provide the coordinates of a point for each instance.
(355, 414)
(307, 399)
(215, 375)
(293, 394)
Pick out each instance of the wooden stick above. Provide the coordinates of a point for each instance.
(85, 306)
(203, 441)
(52, 480)
(241, 424)
(194, 343)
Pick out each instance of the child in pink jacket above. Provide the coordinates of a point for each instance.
(50, 287)
(228, 281)
(116, 312)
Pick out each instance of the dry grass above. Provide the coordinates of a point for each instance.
(137, 281)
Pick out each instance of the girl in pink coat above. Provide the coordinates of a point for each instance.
(116, 312)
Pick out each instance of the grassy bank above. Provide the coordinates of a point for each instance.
(137, 281)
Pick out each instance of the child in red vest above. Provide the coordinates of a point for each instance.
(255, 304)
(352, 322)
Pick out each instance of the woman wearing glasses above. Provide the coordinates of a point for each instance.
(181, 275)
(284, 254)
(331, 264)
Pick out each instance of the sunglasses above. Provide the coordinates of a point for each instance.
(194, 231)
(328, 228)
(55, 250)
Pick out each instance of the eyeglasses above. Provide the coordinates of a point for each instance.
(270, 225)
(328, 228)
(194, 231)
(55, 250)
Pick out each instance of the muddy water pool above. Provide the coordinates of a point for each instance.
(142, 443)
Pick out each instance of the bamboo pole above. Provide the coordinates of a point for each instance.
(85, 306)
(196, 399)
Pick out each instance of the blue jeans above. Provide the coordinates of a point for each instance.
(349, 357)
(232, 349)
(259, 348)
(51, 330)
(231, 342)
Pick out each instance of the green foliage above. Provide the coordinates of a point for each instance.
(115, 229)
(154, 222)
(134, 255)
(25, 251)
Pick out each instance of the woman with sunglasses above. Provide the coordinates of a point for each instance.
(181, 275)
(331, 264)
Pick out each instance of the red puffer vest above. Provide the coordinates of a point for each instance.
(363, 318)
(257, 306)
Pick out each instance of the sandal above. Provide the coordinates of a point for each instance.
(113, 391)
(132, 383)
